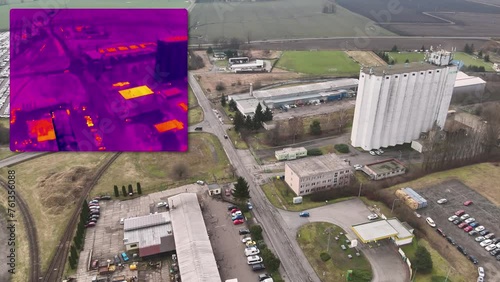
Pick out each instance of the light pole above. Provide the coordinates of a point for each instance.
(393, 202)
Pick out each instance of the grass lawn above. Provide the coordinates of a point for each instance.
(281, 196)
(5, 152)
(52, 184)
(4, 10)
(205, 160)
(313, 240)
(480, 177)
(236, 139)
(5, 122)
(257, 141)
(319, 63)
(440, 265)
(22, 259)
(471, 61)
(195, 113)
(221, 63)
(400, 58)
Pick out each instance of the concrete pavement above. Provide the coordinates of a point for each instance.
(21, 157)
(387, 265)
(293, 261)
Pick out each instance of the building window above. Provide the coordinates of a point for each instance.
(413, 74)
(405, 75)
(386, 77)
(430, 71)
(133, 246)
(437, 71)
(397, 76)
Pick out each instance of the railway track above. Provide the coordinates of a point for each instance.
(29, 223)
(56, 267)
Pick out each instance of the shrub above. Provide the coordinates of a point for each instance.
(325, 256)
(256, 232)
(220, 86)
(342, 148)
(314, 152)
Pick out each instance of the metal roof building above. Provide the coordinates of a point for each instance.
(150, 234)
(400, 233)
(194, 251)
(466, 85)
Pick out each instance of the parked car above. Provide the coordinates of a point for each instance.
(106, 197)
(200, 182)
(457, 221)
(304, 214)
(498, 257)
(380, 151)
(237, 217)
(250, 244)
(244, 231)
(90, 224)
(264, 276)
(250, 206)
(125, 257)
(162, 204)
(467, 203)
(430, 222)
(94, 202)
(232, 207)
(94, 264)
(451, 240)
(480, 279)
(372, 216)
(440, 232)
(462, 250)
(467, 229)
(495, 252)
(92, 220)
(235, 210)
(490, 247)
(442, 201)
(199, 128)
(459, 212)
(474, 224)
(97, 216)
(236, 213)
(462, 225)
(358, 166)
(257, 267)
(473, 233)
(485, 243)
(373, 153)
(465, 216)
(480, 239)
(473, 259)
(227, 192)
(470, 220)
(490, 236)
(122, 221)
(93, 205)
(117, 260)
(495, 240)
(238, 222)
(246, 239)
(484, 232)
(479, 228)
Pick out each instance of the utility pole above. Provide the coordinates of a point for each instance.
(360, 186)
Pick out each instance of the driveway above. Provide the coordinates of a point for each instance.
(386, 262)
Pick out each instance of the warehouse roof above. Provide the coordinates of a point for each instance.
(194, 251)
(320, 86)
(400, 227)
(385, 166)
(465, 80)
(317, 165)
(147, 230)
(374, 231)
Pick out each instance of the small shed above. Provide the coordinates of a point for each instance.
(214, 189)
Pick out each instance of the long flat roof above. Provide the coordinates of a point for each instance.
(373, 231)
(194, 251)
(465, 80)
(317, 165)
(136, 92)
(385, 166)
(403, 232)
(320, 86)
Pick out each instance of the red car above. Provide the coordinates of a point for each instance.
(459, 213)
(238, 221)
(462, 225)
(467, 203)
(90, 224)
(468, 228)
(234, 210)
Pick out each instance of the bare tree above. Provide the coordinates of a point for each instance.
(273, 136)
(491, 116)
(232, 170)
(296, 127)
(179, 171)
(342, 119)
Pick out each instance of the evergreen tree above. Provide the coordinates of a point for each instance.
(259, 115)
(72, 262)
(73, 251)
(223, 100)
(124, 190)
(232, 106)
(407, 61)
(249, 122)
(130, 189)
(241, 190)
(315, 128)
(423, 260)
(487, 58)
(423, 48)
(239, 121)
(139, 189)
(467, 48)
(268, 114)
(394, 48)
(472, 48)
(480, 54)
(117, 193)
(210, 50)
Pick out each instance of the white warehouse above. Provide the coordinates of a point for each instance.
(396, 103)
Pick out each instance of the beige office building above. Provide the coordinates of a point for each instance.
(313, 174)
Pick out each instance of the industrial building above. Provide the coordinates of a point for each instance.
(295, 95)
(466, 85)
(171, 61)
(150, 234)
(396, 103)
(194, 250)
(384, 169)
(290, 153)
(315, 174)
(399, 232)
(257, 66)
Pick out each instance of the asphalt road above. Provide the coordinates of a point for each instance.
(293, 261)
(19, 158)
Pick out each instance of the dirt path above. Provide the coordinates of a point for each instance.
(366, 58)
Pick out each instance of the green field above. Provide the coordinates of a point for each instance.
(319, 63)
(468, 60)
(195, 113)
(4, 10)
(313, 240)
(283, 19)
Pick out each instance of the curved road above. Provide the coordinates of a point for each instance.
(294, 262)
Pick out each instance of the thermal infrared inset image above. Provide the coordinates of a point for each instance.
(98, 80)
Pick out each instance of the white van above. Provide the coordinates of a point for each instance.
(254, 259)
(251, 251)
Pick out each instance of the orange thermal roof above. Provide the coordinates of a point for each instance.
(122, 48)
(42, 130)
(183, 106)
(169, 125)
(136, 92)
(120, 84)
(172, 91)
(176, 38)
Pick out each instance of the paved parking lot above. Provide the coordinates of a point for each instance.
(226, 242)
(105, 240)
(486, 213)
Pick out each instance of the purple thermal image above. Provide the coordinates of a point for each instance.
(98, 80)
